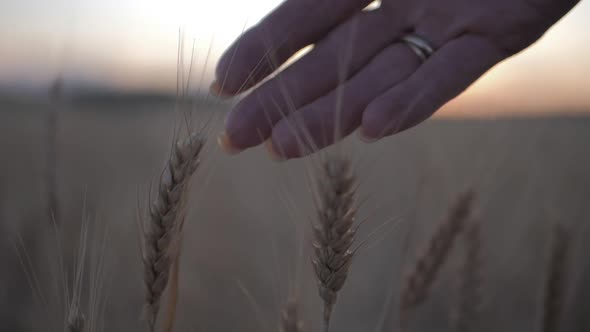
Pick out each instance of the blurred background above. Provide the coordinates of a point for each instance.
(87, 114)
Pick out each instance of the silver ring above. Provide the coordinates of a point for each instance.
(419, 46)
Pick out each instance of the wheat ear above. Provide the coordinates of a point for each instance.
(556, 280)
(424, 272)
(75, 322)
(290, 320)
(470, 281)
(161, 245)
(334, 230)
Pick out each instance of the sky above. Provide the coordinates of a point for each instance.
(132, 45)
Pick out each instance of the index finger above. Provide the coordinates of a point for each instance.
(289, 28)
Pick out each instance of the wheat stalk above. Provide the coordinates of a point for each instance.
(290, 320)
(470, 279)
(334, 231)
(556, 280)
(51, 181)
(424, 272)
(161, 245)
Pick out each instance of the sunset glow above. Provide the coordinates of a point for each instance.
(132, 45)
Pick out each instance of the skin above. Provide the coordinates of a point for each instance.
(358, 75)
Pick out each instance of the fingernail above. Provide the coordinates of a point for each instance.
(216, 90)
(362, 135)
(272, 152)
(225, 144)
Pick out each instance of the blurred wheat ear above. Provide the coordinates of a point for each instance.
(76, 320)
(470, 281)
(334, 230)
(162, 234)
(555, 286)
(290, 320)
(418, 282)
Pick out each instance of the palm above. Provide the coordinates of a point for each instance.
(359, 75)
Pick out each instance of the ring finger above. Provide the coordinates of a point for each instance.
(340, 112)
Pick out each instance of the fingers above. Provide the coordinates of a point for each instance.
(449, 71)
(339, 113)
(316, 74)
(292, 26)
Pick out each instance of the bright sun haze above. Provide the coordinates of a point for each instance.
(132, 45)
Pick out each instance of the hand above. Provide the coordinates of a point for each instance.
(359, 74)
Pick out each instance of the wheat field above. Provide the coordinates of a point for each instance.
(247, 236)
